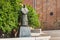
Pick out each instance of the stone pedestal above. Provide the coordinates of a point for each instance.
(24, 31)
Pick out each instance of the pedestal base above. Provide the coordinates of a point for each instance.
(25, 32)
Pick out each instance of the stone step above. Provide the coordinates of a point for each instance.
(55, 38)
(28, 38)
(53, 33)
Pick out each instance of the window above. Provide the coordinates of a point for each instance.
(34, 4)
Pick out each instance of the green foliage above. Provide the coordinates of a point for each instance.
(33, 18)
(9, 14)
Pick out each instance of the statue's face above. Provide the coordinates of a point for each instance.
(23, 6)
(24, 10)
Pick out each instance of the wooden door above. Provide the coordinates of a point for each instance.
(51, 14)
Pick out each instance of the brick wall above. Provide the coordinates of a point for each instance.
(28, 2)
(44, 8)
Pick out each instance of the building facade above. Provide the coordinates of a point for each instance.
(49, 12)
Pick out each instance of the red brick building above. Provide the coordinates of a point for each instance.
(49, 11)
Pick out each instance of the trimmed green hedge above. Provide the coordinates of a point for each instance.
(33, 19)
(9, 14)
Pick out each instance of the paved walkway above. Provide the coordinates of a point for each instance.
(55, 34)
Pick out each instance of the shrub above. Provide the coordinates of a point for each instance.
(9, 14)
(33, 18)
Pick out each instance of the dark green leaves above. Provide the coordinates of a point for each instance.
(33, 18)
(9, 15)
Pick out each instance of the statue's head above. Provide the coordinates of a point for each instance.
(24, 9)
(23, 6)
